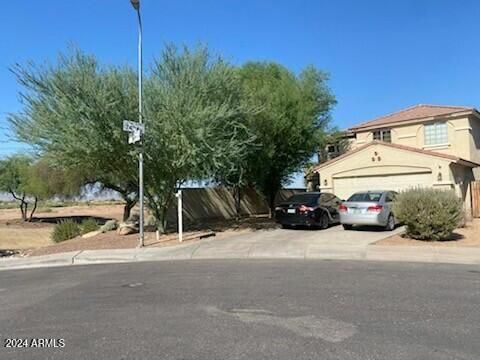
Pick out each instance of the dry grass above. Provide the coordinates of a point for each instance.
(15, 234)
(102, 211)
(20, 237)
(468, 236)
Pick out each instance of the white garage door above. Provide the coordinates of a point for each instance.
(344, 187)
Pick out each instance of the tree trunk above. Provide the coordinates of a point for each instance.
(34, 209)
(22, 210)
(272, 194)
(127, 209)
(25, 210)
(162, 221)
(271, 205)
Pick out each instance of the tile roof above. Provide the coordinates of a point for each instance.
(412, 113)
(402, 147)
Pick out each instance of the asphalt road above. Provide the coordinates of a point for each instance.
(221, 310)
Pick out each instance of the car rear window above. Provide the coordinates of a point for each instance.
(304, 198)
(368, 197)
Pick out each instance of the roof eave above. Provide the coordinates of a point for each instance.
(467, 163)
(455, 114)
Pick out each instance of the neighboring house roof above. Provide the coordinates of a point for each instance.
(401, 147)
(413, 113)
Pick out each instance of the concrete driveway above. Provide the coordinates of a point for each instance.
(295, 243)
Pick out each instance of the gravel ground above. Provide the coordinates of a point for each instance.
(469, 236)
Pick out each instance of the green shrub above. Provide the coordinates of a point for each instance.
(428, 214)
(109, 225)
(65, 230)
(89, 225)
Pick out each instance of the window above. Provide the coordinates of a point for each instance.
(383, 135)
(436, 133)
(366, 197)
(305, 198)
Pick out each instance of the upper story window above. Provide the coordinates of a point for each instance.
(436, 133)
(383, 135)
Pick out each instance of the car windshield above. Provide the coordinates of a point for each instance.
(303, 198)
(367, 196)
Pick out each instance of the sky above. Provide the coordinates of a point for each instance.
(381, 55)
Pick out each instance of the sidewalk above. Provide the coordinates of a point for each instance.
(219, 249)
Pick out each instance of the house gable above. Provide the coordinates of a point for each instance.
(408, 127)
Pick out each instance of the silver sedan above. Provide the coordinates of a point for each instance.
(369, 208)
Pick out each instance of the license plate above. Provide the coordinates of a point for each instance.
(357, 211)
(291, 211)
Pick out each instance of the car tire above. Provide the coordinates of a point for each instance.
(284, 226)
(390, 223)
(324, 221)
(347, 226)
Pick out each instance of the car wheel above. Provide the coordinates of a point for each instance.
(324, 221)
(284, 226)
(390, 223)
(347, 226)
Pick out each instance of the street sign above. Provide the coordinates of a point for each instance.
(135, 131)
(131, 126)
(134, 136)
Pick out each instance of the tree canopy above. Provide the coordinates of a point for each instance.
(28, 180)
(295, 116)
(196, 122)
(73, 111)
(205, 119)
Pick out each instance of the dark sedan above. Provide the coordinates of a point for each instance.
(312, 209)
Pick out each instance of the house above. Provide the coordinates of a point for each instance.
(421, 146)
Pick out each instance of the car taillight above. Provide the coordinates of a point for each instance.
(304, 208)
(342, 208)
(375, 208)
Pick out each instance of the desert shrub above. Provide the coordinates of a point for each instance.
(65, 230)
(109, 225)
(428, 214)
(89, 225)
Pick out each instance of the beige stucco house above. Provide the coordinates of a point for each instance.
(421, 146)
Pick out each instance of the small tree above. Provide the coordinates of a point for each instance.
(29, 181)
(13, 180)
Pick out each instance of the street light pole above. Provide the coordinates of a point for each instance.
(136, 6)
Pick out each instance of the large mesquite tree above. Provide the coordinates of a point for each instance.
(195, 123)
(73, 113)
(294, 116)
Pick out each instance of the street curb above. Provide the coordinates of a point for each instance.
(62, 259)
(428, 254)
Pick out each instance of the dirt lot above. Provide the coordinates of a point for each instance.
(15, 234)
(103, 211)
(34, 238)
(468, 236)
